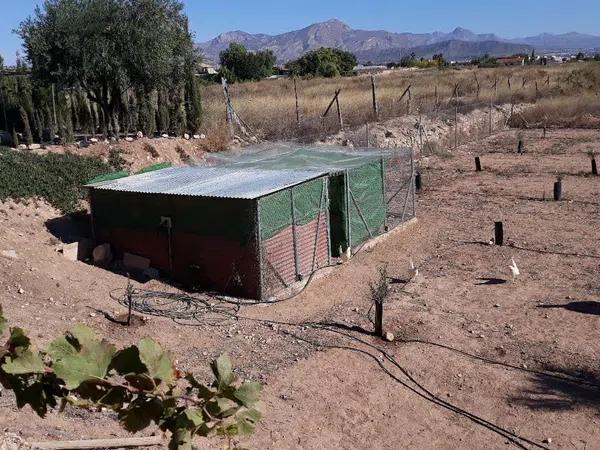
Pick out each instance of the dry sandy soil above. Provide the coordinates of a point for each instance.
(464, 331)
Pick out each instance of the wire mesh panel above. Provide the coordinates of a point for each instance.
(366, 202)
(400, 188)
(294, 231)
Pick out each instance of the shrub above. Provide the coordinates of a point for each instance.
(58, 179)
(324, 62)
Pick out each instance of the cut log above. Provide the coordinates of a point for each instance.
(100, 443)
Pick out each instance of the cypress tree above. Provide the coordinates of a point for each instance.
(193, 103)
(15, 138)
(26, 127)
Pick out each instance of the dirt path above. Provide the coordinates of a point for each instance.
(318, 397)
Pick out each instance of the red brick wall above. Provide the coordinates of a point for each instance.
(278, 254)
(205, 262)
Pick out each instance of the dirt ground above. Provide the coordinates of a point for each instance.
(467, 337)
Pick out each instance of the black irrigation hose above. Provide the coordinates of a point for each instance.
(557, 375)
(423, 392)
(191, 311)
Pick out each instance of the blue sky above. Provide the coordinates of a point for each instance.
(508, 18)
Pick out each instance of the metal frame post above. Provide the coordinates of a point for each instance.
(348, 222)
(259, 247)
(412, 182)
(328, 216)
(383, 193)
(294, 237)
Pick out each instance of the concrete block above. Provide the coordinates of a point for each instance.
(136, 262)
(70, 251)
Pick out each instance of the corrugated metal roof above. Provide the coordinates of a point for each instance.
(224, 182)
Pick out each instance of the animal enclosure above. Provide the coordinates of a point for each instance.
(254, 223)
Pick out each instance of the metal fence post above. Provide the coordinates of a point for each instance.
(294, 237)
(383, 193)
(348, 222)
(258, 238)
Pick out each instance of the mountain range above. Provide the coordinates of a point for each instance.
(383, 46)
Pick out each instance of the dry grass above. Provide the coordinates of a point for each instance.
(582, 111)
(268, 106)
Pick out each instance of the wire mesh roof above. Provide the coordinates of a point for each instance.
(302, 157)
(222, 181)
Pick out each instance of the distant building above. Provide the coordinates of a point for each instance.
(206, 69)
(369, 69)
(280, 72)
(511, 60)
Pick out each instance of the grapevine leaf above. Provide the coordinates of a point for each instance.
(248, 394)
(141, 381)
(61, 348)
(2, 321)
(157, 361)
(202, 391)
(18, 339)
(140, 413)
(85, 335)
(127, 361)
(247, 420)
(181, 440)
(222, 370)
(89, 363)
(33, 393)
(195, 416)
(24, 362)
(222, 407)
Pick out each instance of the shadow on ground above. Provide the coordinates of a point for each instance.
(70, 228)
(583, 307)
(489, 281)
(556, 394)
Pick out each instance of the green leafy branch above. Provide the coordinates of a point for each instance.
(140, 383)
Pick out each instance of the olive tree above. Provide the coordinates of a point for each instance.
(108, 48)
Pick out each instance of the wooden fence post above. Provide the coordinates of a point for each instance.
(477, 164)
(558, 190)
(379, 318)
(374, 92)
(406, 91)
(335, 100)
(339, 111)
(498, 233)
(491, 107)
(297, 108)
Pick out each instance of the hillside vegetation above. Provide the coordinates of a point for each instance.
(58, 179)
(268, 107)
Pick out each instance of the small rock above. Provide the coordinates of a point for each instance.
(186, 136)
(164, 135)
(497, 305)
(139, 135)
(128, 139)
(92, 314)
(389, 337)
(20, 290)
(548, 441)
(10, 254)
